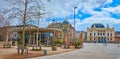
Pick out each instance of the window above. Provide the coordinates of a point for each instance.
(107, 34)
(98, 34)
(103, 34)
(94, 34)
(60, 35)
(111, 34)
(90, 38)
(90, 34)
(111, 39)
(108, 39)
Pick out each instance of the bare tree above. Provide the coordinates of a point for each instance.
(23, 10)
(4, 23)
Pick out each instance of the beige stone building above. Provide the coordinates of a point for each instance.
(67, 29)
(101, 34)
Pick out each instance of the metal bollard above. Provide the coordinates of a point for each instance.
(45, 52)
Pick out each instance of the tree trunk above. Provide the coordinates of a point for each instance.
(24, 24)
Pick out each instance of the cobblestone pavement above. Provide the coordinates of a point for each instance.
(89, 51)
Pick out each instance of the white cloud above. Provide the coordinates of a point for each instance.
(115, 10)
(87, 5)
(83, 24)
(103, 20)
(62, 8)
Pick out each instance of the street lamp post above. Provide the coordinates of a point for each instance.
(53, 44)
(74, 21)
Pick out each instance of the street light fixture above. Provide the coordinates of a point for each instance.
(74, 21)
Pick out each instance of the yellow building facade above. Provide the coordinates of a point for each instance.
(101, 34)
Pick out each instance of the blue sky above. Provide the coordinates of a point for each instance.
(87, 13)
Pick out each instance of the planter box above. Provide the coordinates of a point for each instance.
(54, 48)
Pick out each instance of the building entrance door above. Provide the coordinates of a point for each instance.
(105, 40)
(102, 40)
(98, 39)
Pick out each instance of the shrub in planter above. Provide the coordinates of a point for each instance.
(56, 42)
(6, 45)
(13, 43)
(67, 47)
(36, 49)
(54, 48)
(77, 44)
(59, 42)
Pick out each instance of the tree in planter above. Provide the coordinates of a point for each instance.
(54, 47)
(19, 43)
(20, 47)
(56, 43)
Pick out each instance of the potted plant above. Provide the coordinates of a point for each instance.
(77, 44)
(54, 46)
